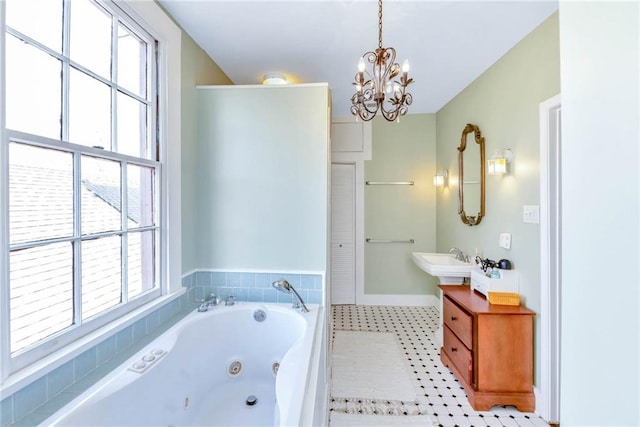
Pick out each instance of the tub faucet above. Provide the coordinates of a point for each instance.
(284, 286)
(231, 300)
(459, 254)
(211, 301)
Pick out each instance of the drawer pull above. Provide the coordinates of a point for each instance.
(454, 318)
(454, 349)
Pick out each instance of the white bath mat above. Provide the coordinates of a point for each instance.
(337, 419)
(369, 365)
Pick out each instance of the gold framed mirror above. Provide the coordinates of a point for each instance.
(471, 175)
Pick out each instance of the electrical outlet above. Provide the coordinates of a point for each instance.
(505, 240)
(531, 214)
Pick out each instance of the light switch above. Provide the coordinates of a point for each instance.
(531, 214)
(505, 240)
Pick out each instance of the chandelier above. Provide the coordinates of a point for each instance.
(378, 89)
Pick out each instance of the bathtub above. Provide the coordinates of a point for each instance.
(250, 364)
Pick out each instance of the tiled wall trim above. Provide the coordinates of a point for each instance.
(255, 287)
(34, 403)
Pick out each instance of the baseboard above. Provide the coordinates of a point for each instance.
(540, 411)
(406, 300)
(536, 393)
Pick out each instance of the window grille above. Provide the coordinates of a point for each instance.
(83, 171)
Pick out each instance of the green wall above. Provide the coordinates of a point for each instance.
(197, 69)
(263, 177)
(402, 151)
(504, 103)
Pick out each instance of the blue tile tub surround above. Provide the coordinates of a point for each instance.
(254, 287)
(37, 401)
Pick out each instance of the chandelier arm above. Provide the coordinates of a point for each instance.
(390, 115)
(360, 102)
(363, 113)
(392, 70)
(364, 101)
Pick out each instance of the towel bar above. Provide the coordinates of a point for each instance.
(389, 182)
(370, 240)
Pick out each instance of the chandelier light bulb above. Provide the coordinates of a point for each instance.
(361, 65)
(405, 66)
(388, 88)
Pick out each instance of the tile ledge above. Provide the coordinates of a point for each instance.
(39, 369)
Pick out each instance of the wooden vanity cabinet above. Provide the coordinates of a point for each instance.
(489, 348)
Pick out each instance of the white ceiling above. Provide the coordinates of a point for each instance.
(448, 43)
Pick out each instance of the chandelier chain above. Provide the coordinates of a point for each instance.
(380, 24)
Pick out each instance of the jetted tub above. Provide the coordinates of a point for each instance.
(247, 364)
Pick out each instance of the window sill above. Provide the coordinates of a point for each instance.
(25, 376)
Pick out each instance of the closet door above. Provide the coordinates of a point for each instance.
(343, 284)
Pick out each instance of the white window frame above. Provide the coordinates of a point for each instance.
(34, 352)
(150, 17)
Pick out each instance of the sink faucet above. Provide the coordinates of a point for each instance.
(459, 254)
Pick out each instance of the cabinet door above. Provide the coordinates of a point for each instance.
(347, 137)
(504, 354)
(343, 182)
(350, 139)
(342, 274)
(343, 282)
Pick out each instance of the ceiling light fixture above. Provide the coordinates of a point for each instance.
(377, 90)
(274, 79)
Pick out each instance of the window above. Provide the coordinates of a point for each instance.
(83, 171)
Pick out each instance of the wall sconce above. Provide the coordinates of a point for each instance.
(439, 179)
(497, 164)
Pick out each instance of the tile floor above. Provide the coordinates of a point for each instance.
(439, 394)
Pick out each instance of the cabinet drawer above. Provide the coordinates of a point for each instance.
(459, 321)
(459, 354)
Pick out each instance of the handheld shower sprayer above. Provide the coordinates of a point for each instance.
(285, 287)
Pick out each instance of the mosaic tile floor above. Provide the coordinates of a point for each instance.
(439, 394)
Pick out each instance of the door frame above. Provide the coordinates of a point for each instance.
(550, 260)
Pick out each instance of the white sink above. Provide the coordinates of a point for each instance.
(445, 267)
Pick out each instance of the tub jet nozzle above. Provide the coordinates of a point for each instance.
(251, 400)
